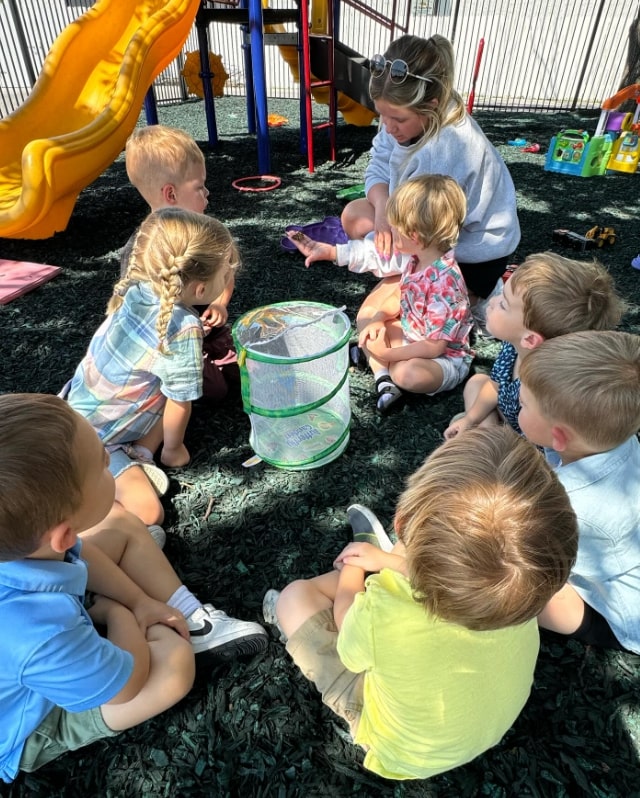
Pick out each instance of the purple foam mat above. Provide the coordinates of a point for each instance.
(329, 231)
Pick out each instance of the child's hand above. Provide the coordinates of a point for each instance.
(371, 332)
(175, 456)
(148, 612)
(214, 316)
(383, 238)
(376, 342)
(366, 556)
(458, 426)
(313, 250)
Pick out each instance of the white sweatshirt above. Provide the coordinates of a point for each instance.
(491, 228)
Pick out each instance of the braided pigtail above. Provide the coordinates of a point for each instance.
(174, 248)
(170, 285)
(133, 274)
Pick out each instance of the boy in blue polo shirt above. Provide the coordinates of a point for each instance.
(63, 685)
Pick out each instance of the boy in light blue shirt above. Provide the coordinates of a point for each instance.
(62, 684)
(580, 397)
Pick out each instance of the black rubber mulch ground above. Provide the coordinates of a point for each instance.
(257, 728)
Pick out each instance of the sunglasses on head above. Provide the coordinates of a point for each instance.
(398, 69)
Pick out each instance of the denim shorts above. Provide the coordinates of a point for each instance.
(125, 455)
(63, 731)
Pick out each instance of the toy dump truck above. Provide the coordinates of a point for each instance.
(601, 235)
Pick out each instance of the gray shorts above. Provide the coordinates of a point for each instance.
(313, 648)
(454, 371)
(63, 731)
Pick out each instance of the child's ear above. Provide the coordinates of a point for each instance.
(62, 537)
(199, 289)
(168, 192)
(560, 437)
(531, 340)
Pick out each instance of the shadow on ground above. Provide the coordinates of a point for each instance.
(256, 728)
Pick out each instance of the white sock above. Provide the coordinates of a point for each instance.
(385, 379)
(184, 601)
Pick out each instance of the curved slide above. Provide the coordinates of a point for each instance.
(83, 107)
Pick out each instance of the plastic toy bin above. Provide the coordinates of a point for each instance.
(294, 366)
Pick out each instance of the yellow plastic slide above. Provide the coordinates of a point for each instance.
(83, 107)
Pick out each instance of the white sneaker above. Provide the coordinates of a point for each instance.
(366, 527)
(156, 477)
(214, 632)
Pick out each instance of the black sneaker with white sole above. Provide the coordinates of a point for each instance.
(367, 528)
(214, 633)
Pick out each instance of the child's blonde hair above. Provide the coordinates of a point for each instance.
(172, 248)
(430, 58)
(489, 530)
(41, 485)
(560, 295)
(156, 155)
(431, 207)
(590, 381)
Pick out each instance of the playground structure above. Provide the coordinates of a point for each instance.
(83, 107)
(313, 56)
(96, 78)
(614, 147)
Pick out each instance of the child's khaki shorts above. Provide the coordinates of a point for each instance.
(63, 731)
(313, 648)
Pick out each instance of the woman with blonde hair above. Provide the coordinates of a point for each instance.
(425, 129)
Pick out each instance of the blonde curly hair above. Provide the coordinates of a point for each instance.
(172, 248)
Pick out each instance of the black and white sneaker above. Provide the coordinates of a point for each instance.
(367, 528)
(213, 632)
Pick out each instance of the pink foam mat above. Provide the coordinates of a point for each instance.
(19, 276)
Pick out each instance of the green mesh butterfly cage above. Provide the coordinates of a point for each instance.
(294, 365)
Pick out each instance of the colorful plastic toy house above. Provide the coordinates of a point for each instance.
(575, 152)
(611, 148)
(625, 153)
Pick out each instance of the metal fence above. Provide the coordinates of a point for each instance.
(537, 56)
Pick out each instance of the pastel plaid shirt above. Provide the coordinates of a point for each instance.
(123, 381)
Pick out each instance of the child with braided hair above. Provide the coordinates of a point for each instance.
(143, 367)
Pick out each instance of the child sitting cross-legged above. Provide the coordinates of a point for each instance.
(64, 685)
(580, 397)
(546, 296)
(430, 658)
(418, 339)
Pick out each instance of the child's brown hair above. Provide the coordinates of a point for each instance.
(39, 475)
(172, 248)
(590, 381)
(560, 295)
(489, 530)
(431, 207)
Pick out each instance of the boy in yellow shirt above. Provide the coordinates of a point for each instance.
(430, 659)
